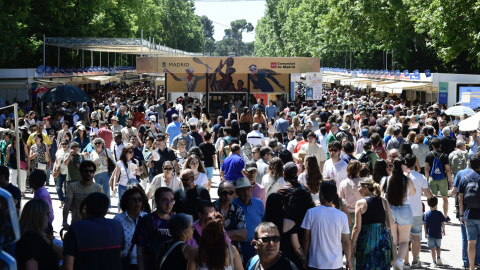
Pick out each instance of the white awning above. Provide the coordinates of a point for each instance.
(398, 87)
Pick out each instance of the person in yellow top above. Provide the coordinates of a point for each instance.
(31, 138)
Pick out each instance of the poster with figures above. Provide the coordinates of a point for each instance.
(313, 86)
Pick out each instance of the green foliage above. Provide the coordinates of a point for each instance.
(23, 23)
(232, 42)
(438, 34)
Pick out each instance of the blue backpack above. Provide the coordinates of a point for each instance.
(436, 172)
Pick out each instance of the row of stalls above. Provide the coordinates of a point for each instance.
(422, 90)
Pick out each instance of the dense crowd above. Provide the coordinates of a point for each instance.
(303, 185)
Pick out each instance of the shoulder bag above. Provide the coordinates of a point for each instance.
(168, 252)
(393, 247)
(110, 164)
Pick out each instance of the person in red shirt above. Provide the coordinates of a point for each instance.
(305, 140)
(105, 133)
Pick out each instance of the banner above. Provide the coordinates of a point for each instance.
(313, 88)
(443, 92)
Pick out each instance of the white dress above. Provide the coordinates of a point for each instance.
(271, 185)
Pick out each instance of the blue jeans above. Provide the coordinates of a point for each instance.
(102, 179)
(61, 181)
(122, 189)
(49, 171)
(465, 247)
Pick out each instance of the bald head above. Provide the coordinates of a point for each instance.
(235, 148)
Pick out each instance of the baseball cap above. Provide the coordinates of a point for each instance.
(290, 170)
(242, 182)
(364, 132)
(250, 166)
(115, 118)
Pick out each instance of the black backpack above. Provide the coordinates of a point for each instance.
(472, 193)
(366, 159)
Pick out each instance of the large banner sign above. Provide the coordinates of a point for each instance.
(313, 88)
(227, 74)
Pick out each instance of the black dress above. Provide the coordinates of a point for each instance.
(286, 247)
(175, 260)
(32, 246)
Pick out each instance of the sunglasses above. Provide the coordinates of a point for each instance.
(224, 192)
(194, 163)
(390, 165)
(130, 152)
(332, 150)
(185, 179)
(168, 169)
(267, 240)
(136, 200)
(98, 143)
(167, 201)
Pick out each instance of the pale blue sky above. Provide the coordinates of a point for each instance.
(224, 12)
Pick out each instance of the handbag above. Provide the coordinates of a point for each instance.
(42, 166)
(47, 155)
(56, 171)
(126, 259)
(110, 164)
(393, 247)
(23, 164)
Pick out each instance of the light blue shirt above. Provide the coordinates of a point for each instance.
(270, 111)
(173, 129)
(254, 213)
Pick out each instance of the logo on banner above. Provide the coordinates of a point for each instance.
(427, 73)
(273, 65)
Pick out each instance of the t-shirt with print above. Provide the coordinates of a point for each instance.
(77, 192)
(142, 236)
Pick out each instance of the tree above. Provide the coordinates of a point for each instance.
(236, 32)
(208, 32)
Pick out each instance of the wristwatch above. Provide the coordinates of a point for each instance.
(461, 215)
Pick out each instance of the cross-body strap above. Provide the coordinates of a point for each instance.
(168, 252)
(231, 254)
(354, 194)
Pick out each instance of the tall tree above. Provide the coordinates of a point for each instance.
(236, 31)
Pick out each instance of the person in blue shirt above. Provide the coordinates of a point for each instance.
(173, 129)
(254, 212)
(271, 110)
(281, 125)
(233, 165)
(217, 126)
(259, 80)
(434, 223)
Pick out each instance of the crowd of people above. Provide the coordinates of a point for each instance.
(312, 185)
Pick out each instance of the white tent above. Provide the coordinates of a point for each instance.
(470, 123)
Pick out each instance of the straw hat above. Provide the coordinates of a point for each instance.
(300, 155)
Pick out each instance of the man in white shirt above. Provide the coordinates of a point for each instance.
(117, 145)
(128, 130)
(415, 201)
(115, 126)
(335, 168)
(326, 233)
(322, 137)
(255, 137)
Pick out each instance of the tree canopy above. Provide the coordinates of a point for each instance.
(421, 34)
(172, 23)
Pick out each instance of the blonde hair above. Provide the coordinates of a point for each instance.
(295, 121)
(372, 186)
(389, 131)
(34, 217)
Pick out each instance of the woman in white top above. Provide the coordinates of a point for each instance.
(399, 185)
(61, 181)
(213, 240)
(181, 153)
(165, 179)
(311, 177)
(125, 171)
(193, 163)
(273, 179)
(348, 189)
(100, 157)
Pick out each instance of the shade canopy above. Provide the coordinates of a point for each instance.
(459, 111)
(470, 123)
(65, 93)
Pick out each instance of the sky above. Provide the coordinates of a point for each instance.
(224, 12)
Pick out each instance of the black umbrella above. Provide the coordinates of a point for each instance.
(65, 93)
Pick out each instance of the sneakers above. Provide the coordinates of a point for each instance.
(439, 261)
(406, 266)
(398, 265)
(416, 264)
(433, 264)
(448, 219)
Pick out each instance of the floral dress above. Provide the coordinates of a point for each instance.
(40, 157)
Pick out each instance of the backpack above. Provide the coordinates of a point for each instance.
(436, 172)
(366, 159)
(459, 162)
(472, 193)
(226, 148)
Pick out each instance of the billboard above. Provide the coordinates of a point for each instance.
(227, 74)
(469, 95)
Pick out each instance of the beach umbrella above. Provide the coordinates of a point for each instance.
(65, 93)
(459, 111)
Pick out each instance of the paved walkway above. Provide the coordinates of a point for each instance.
(451, 243)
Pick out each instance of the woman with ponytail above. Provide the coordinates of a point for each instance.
(370, 238)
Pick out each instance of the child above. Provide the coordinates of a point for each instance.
(434, 223)
(271, 127)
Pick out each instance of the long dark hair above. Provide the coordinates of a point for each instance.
(213, 240)
(405, 149)
(380, 170)
(207, 114)
(274, 211)
(313, 175)
(300, 201)
(397, 183)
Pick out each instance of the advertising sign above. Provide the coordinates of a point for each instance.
(313, 89)
(443, 92)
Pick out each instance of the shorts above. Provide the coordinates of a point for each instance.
(402, 215)
(417, 226)
(438, 185)
(434, 242)
(473, 228)
(209, 172)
